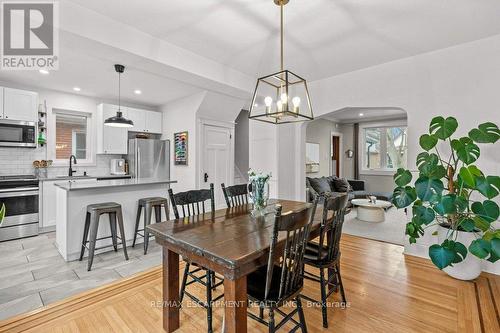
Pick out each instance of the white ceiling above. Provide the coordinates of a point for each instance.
(97, 78)
(323, 37)
(363, 114)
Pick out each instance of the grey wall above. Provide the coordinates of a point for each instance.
(347, 131)
(241, 143)
(319, 131)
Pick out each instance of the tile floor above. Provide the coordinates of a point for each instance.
(33, 274)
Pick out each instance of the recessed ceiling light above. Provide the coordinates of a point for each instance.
(77, 88)
(137, 92)
(361, 114)
(44, 71)
(256, 105)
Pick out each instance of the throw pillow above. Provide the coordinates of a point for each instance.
(320, 185)
(342, 185)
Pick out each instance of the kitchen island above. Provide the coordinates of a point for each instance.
(73, 198)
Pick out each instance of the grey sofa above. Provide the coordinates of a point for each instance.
(332, 185)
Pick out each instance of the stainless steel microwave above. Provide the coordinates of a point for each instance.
(17, 133)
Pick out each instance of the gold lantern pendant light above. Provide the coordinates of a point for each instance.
(281, 97)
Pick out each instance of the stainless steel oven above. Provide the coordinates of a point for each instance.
(20, 196)
(17, 133)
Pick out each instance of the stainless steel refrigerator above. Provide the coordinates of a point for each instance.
(149, 158)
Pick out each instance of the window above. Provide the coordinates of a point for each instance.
(384, 148)
(70, 136)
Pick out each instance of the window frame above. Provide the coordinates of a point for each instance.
(51, 138)
(383, 170)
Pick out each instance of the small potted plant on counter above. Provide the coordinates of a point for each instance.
(453, 193)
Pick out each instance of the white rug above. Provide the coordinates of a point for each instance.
(392, 230)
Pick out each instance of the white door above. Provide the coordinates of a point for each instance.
(217, 160)
(20, 104)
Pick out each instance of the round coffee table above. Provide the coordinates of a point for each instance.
(371, 212)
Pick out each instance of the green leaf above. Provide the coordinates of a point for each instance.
(467, 151)
(403, 196)
(402, 177)
(480, 248)
(485, 133)
(489, 235)
(458, 248)
(489, 186)
(469, 174)
(427, 142)
(493, 258)
(428, 189)
(467, 224)
(461, 203)
(481, 223)
(2, 214)
(441, 257)
(447, 205)
(425, 158)
(435, 172)
(423, 215)
(487, 210)
(495, 247)
(443, 128)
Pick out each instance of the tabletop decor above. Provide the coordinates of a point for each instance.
(258, 190)
(452, 193)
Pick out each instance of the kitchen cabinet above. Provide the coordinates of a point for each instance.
(153, 122)
(110, 140)
(19, 104)
(145, 121)
(48, 202)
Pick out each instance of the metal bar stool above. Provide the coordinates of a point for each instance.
(148, 204)
(94, 212)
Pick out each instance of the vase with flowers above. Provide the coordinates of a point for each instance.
(258, 190)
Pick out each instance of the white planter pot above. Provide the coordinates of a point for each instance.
(470, 268)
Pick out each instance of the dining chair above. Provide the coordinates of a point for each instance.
(193, 203)
(325, 255)
(282, 280)
(235, 195)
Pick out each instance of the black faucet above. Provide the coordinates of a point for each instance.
(72, 158)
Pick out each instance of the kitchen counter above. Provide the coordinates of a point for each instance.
(73, 197)
(72, 186)
(80, 177)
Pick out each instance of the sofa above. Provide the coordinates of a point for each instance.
(333, 185)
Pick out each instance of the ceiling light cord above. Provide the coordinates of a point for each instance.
(119, 91)
(282, 34)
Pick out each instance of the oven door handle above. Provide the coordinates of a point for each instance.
(18, 194)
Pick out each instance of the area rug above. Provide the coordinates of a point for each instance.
(392, 230)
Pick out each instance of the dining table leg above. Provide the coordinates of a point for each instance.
(171, 301)
(235, 297)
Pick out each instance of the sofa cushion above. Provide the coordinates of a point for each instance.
(341, 185)
(320, 185)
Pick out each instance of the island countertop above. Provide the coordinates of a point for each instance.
(75, 186)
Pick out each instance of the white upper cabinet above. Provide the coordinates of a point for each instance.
(19, 105)
(153, 122)
(145, 121)
(110, 140)
(139, 119)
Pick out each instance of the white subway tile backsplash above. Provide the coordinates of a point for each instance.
(17, 161)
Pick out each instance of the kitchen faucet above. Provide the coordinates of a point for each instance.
(71, 171)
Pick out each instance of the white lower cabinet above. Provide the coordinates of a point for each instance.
(48, 203)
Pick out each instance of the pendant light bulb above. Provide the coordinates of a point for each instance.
(284, 98)
(268, 101)
(296, 101)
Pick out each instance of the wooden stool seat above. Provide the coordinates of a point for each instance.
(94, 211)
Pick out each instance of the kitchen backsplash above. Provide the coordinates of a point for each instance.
(19, 161)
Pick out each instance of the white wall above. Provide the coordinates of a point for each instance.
(179, 116)
(320, 131)
(462, 81)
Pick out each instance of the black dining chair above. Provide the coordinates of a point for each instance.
(235, 195)
(282, 280)
(193, 203)
(325, 255)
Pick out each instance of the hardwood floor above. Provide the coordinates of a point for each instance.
(386, 291)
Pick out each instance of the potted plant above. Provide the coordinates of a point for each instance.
(452, 192)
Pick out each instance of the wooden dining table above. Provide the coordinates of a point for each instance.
(230, 242)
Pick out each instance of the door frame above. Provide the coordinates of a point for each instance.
(200, 143)
(341, 152)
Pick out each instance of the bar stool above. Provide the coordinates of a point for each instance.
(148, 204)
(94, 212)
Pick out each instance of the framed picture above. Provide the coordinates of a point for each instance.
(181, 148)
(312, 157)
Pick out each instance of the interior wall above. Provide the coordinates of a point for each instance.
(347, 131)
(320, 131)
(241, 143)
